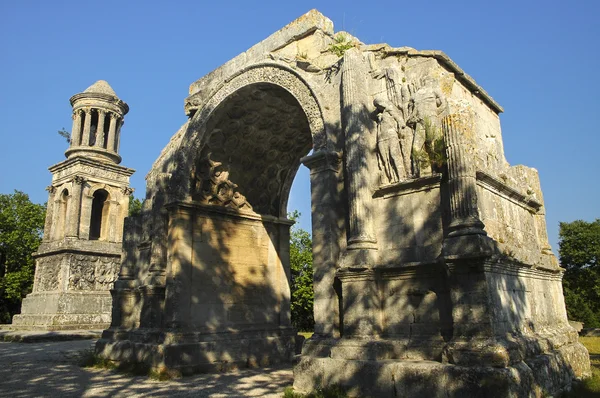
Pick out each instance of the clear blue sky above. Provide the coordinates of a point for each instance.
(538, 59)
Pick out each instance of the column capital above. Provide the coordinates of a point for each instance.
(79, 180)
(127, 191)
(323, 160)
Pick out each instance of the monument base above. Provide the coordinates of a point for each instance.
(65, 311)
(541, 375)
(196, 352)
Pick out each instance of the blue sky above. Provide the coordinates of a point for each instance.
(538, 59)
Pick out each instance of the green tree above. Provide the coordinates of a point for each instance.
(302, 277)
(579, 251)
(21, 228)
(135, 206)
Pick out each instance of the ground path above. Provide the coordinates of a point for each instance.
(50, 369)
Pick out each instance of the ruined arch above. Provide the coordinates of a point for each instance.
(195, 136)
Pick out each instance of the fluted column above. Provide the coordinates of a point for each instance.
(76, 130)
(110, 145)
(87, 126)
(100, 129)
(355, 121)
(464, 215)
(118, 135)
(75, 209)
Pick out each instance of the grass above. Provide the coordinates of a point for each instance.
(340, 44)
(89, 359)
(589, 387)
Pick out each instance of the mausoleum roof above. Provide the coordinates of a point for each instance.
(101, 86)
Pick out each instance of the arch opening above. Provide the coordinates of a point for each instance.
(98, 217)
(252, 148)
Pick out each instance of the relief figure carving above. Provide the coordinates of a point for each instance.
(390, 155)
(425, 108)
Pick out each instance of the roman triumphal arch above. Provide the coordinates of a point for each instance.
(432, 269)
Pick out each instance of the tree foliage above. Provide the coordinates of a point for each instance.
(301, 277)
(579, 251)
(135, 206)
(21, 228)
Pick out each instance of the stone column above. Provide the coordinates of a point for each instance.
(355, 122)
(110, 145)
(100, 130)
(325, 168)
(76, 130)
(49, 212)
(87, 127)
(117, 143)
(464, 216)
(75, 208)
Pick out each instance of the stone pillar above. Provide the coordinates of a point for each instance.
(76, 130)
(325, 168)
(466, 248)
(110, 145)
(464, 216)
(465, 236)
(74, 212)
(117, 141)
(355, 122)
(100, 130)
(179, 279)
(87, 127)
(49, 212)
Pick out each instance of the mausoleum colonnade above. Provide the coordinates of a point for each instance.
(83, 210)
(96, 127)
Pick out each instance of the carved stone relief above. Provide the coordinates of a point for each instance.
(47, 274)
(92, 273)
(409, 133)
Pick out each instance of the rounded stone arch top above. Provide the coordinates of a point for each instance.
(270, 73)
(275, 74)
(97, 186)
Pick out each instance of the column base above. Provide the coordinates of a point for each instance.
(196, 352)
(543, 375)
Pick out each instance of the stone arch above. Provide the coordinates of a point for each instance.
(264, 74)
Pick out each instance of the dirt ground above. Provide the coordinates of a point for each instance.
(50, 369)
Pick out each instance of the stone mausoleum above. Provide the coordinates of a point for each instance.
(432, 270)
(88, 200)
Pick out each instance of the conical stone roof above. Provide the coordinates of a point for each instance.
(102, 87)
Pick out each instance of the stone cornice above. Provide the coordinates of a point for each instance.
(225, 211)
(445, 60)
(409, 186)
(115, 168)
(101, 97)
(500, 188)
(79, 246)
